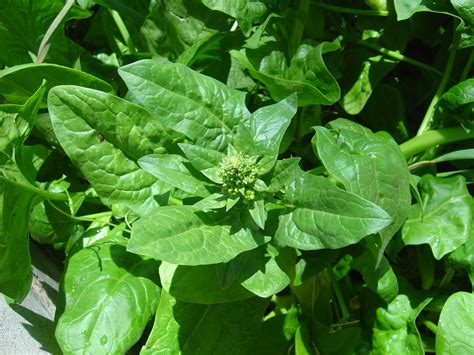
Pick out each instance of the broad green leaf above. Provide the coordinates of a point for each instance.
(18, 83)
(381, 280)
(370, 165)
(203, 284)
(244, 11)
(283, 174)
(23, 23)
(463, 257)
(444, 218)
(364, 69)
(407, 8)
(273, 274)
(307, 74)
(303, 342)
(205, 160)
(15, 261)
(171, 169)
(266, 126)
(395, 331)
(104, 136)
(18, 194)
(203, 109)
(184, 235)
(455, 333)
(182, 327)
(109, 297)
(458, 103)
(323, 216)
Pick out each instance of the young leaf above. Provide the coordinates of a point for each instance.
(198, 106)
(395, 331)
(110, 295)
(104, 136)
(171, 169)
(258, 213)
(205, 329)
(184, 235)
(458, 103)
(456, 325)
(444, 218)
(324, 216)
(266, 127)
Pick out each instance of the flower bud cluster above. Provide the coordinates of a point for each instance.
(238, 173)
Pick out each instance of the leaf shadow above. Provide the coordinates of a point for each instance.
(40, 328)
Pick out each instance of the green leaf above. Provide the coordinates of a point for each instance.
(244, 11)
(456, 325)
(324, 216)
(15, 261)
(183, 235)
(381, 280)
(205, 160)
(20, 82)
(182, 327)
(23, 24)
(368, 164)
(458, 103)
(273, 273)
(284, 172)
(193, 104)
(110, 295)
(307, 74)
(104, 136)
(203, 284)
(463, 257)
(258, 213)
(444, 218)
(395, 331)
(170, 168)
(463, 154)
(266, 127)
(405, 9)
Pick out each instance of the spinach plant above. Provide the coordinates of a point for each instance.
(242, 177)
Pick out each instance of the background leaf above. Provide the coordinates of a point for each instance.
(109, 297)
(444, 219)
(205, 329)
(456, 325)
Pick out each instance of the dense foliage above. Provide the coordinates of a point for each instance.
(249, 176)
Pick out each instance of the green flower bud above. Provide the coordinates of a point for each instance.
(238, 174)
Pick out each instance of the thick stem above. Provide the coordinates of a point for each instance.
(123, 30)
(434, 138)
(428, 119)
(348, 10)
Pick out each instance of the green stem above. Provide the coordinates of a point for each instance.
(467, 67)
(348, 10)
(298, 28)
(44, 45)
(431, 326)
(398, 56)
(447, 278)
(428, 119)
(340, 298)
(30, 188)
(123, 30)
(434, 138)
